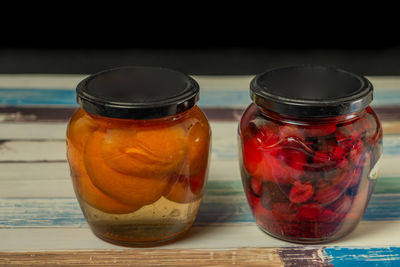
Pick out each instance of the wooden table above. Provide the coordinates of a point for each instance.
(41, 222)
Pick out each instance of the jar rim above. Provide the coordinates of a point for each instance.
(137, 92)
(311, 91)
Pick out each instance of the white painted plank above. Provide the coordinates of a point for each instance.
(31, 130)
(53, 180)
(23, 180)
(36, 189)
(199, 237)
(224, 141)
(33, 151)
(57, 130)
(32, 172)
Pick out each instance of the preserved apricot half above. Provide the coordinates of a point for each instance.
(80, 127)
(129, 189)
(144, 152)
(179, 191)
(186, 189)
(198, 140)
(90, 193)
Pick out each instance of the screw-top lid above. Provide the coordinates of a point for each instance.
(311, 91)
(137, 93)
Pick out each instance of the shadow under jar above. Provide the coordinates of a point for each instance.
(309, 148)
(138, 150)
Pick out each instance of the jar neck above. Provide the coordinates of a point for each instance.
(167, 119)
(309, 120)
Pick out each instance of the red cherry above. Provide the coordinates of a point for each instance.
(259, 212)
(354, 177)
(327, 194)
(293, 157)
(284, 211)
(320, 157)
(256, 186)
(338, 153)
(310, 212)
(364, 160)
(267, 137)
(342, 205)
(290, 131)
(252, 200)
(251, 156)
(301, 192)
(197, 182)
(273, 193)
(356, 151)
(329, 216)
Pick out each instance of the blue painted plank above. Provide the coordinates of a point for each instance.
(20, 97)
(208, 98)
(358, 256)
(224, 203)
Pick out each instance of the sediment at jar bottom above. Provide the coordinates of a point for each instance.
(153, 224)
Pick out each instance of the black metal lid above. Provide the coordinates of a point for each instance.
(311, 91)
(137, 93)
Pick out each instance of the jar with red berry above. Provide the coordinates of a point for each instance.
(309, 148)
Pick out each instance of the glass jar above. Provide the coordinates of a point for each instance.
(309, 147)
(138, 149)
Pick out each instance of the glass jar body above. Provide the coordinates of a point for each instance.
(308, 180)
(139, 182)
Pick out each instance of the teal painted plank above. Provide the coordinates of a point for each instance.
(208, 98)
(363, 256)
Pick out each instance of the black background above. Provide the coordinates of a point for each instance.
(223, 48)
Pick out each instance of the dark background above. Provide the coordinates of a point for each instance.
(222, 49)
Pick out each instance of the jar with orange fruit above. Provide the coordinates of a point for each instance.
(138, 148)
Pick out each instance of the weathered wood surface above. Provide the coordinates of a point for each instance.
(41, 223)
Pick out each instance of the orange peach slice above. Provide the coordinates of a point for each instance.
(186, 189)
(144, 152)
(88, 192)
(129, 189)
(80, 127)
(199, 136)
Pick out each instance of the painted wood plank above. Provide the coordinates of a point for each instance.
(32, 131)
(62, 114)
(146, 257)
(208, 98)
(364, 256)
(304, 256)
(216, 91)
(374, 234)
(228, 208)
(28, 182)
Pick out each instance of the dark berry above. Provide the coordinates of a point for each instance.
(318, 130)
